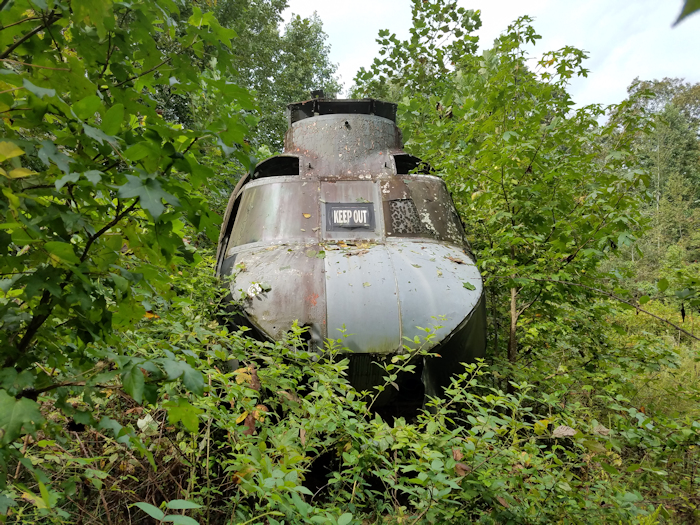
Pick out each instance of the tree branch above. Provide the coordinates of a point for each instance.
(34, 65)
(19, 21)
(603, 222)
(58, 47)
(109, 55)
(139, 75)
(106, 227)
(45, 302)
(49, 21)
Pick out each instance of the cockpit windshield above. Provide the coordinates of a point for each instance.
(279, 210)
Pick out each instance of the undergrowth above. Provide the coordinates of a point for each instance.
(244, 431)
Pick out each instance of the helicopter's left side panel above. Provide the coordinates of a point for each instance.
(274, 257)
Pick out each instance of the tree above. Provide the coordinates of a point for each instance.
(656, 95)
(670, 152)
(544, 190)
(98, 191)
(280, 65)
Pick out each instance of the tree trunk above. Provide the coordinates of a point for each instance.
(512, 340)
(494, 315)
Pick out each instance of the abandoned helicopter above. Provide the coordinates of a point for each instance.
(345, 229)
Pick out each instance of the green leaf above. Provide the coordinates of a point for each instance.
(689, 8)
(644, 299)
(153, 512)
(469, 286)
(200, 173)
(49, 152)
(99, 135)
(662, 285)
(139, 151)
(93, 176)
(38, 91)
(345, 519)
(87, 107)
(15, 414)
(93, 13)
(150, 192)
(609, 469)
(181, 410)
(62, 252)
(121, 434)
(179, 504)
(71, 177)
(112, 121)
(133, 381)
(9, 150)
(18, 173)
(192, 379)
(6, 503)
(180, 520)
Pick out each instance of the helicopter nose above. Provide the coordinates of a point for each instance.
(384, 296)
(375, 298)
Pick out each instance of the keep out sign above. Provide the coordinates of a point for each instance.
(349, 216)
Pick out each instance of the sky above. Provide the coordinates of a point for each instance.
(624, 38)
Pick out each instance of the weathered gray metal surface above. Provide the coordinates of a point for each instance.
(280, 284)
(277, 210)
(351, 192)
(344, 146)
(362, 285)
(430, 278)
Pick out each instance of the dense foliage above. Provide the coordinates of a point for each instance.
(124, 395)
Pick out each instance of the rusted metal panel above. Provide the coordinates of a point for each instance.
(279, 284)
(435, 208)
(314, 107)
(362, 294)
(345, 146)
(347, 236)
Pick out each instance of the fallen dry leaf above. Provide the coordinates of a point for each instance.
(291, 397)
(563, 431)
(249, 423)
(238, 476)
(254, 380)
(462, 469)
(248, 375)
(502, 501)
(259, 412)
(302, 436)
(600, 429)
(456, 260)
(457, 454)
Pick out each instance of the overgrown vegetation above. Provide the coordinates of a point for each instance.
(126, 398)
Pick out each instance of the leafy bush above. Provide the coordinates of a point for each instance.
(248, 431)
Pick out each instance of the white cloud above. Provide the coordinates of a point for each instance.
(624, 38)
